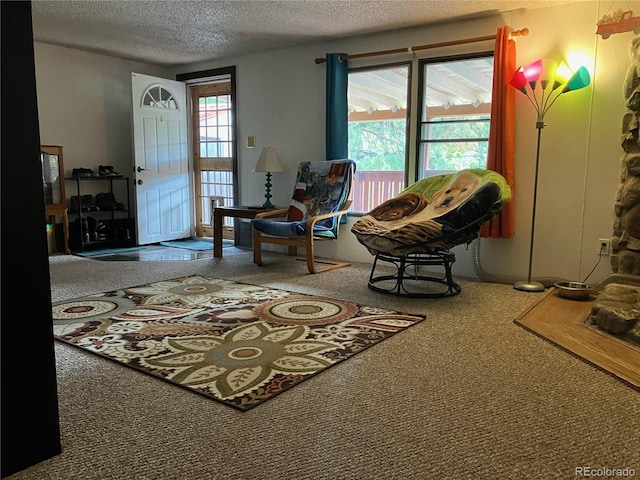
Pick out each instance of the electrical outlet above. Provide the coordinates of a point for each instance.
(604, 246)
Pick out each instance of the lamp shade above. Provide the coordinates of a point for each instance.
(579, 80)
(549, 67)
(519, 81)
(532, 72)
(269, 161)
(563, 73)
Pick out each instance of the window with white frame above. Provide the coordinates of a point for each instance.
(455, 114)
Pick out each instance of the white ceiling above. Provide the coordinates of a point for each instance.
(174, 32)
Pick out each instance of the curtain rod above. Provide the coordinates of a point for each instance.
(516, 33)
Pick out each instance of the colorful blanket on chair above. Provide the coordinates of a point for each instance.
(321, 187)
(432, 214)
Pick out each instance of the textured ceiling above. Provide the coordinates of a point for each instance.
(173, 32)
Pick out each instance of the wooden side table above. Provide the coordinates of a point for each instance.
(236, 212)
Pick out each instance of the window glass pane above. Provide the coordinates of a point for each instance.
(215, 184)
(472, 128)
(378, 133)
(212, 150)
(212, 134)
(444, 157)
(216, 119)
(225, 150)
(455, 114)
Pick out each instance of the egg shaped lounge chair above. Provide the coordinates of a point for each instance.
(415, 231)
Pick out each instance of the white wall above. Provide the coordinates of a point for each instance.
(84, 104)
(280, 100)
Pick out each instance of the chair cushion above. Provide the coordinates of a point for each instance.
(288, 229)
(434, 214)
(278, 228)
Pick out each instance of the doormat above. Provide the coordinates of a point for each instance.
(237, 343)
(194, 244)
(146, 253)
(108, 251)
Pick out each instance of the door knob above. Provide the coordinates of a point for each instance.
(140, 169)
(140, 182)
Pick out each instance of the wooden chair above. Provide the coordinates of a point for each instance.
(319, 201)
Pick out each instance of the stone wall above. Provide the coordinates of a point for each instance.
(617, 311)
(625, 242)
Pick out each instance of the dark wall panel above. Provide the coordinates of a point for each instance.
(29, 416)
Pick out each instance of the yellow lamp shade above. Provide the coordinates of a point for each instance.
(547, 76)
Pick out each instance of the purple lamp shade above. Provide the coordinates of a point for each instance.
(532, 73)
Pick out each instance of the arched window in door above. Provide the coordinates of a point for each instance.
(158, 96)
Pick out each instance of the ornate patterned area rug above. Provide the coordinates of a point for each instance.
(238, 343)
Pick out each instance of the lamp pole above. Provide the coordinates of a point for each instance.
(533, 286)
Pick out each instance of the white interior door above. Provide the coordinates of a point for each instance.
(161, 170)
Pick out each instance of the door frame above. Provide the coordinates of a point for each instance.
(203, 76)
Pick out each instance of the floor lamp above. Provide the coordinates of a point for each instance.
(541, 82)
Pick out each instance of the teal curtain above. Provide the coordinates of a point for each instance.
(337, 107)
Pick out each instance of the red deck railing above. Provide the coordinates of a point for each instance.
(372, 187)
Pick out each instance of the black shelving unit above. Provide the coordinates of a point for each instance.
(118, 231)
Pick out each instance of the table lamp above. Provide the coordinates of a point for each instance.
(268, 162)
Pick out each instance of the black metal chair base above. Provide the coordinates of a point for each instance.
(398, 281)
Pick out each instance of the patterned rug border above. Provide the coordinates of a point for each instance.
(287, 381)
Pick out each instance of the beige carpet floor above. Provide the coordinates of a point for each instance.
(466, 394)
